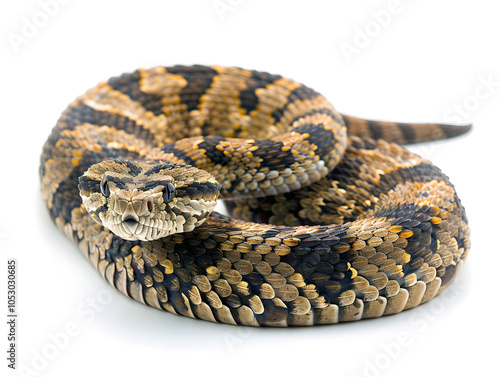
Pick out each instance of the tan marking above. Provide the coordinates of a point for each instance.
(357, 126)
(390, 131)
(158, 81)
(105, 98)
(428, 132)
(272, 98)
(220, 105)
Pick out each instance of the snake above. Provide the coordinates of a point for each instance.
(329, 219)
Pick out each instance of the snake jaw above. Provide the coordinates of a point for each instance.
(182, 215)
(138, 201)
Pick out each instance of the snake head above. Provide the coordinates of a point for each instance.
(147, 201)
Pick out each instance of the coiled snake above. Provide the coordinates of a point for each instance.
(365, 227)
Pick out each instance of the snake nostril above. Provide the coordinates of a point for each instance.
(130, 220)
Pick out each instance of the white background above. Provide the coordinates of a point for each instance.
(419, 64)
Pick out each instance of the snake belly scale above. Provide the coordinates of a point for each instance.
(336, 222)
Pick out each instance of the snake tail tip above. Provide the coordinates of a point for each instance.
(452, 130)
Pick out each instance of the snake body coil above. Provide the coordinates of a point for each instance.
(363, 227)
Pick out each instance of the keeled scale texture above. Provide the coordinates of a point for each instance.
(401, 236)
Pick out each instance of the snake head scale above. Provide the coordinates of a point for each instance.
(147, 201)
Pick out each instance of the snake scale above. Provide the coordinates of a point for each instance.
(336, 221)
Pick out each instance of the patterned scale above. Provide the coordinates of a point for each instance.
(329, 225)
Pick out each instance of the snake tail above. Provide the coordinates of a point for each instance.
(403, 133)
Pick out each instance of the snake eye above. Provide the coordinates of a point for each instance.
(105, 188)
(168, 192)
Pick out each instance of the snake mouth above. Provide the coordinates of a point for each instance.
(183, 217)
(131, 223)
(143, 229)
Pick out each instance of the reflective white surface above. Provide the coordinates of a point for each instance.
(426, 61)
